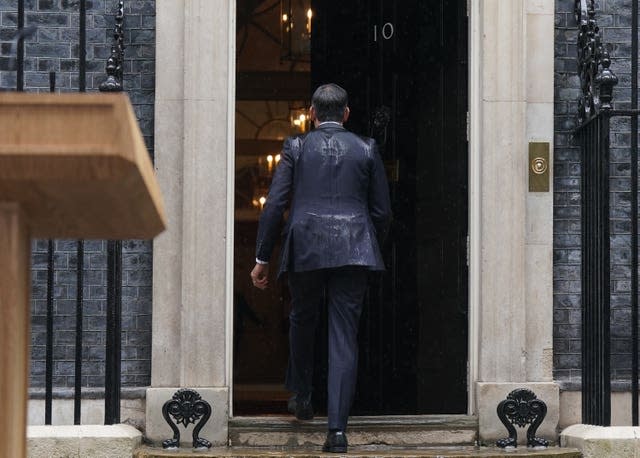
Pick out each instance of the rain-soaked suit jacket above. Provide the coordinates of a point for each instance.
(340, 211)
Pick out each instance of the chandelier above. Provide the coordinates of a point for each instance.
(295, 29)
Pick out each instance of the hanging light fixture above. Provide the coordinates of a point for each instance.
(295, 29)
(300, 121)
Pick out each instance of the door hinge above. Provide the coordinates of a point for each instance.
(468, 250)
(468, 127)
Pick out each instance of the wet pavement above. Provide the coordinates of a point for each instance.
(361, 452)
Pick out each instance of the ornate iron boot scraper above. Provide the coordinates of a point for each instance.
(521, 408)
(186, 407)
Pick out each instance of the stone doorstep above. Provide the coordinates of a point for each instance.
(361, 452)
(402, 431)
(603, 441)
(82, 441)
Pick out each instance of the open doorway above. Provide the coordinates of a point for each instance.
(404, 66)
(272, 97)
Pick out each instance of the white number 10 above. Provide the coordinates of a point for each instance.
(387, 31)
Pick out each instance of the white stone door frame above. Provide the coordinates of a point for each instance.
(473, 202)
(231, 190)
(192, 322)
(510, 263)
(510, 228)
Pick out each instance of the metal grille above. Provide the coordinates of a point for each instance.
(114, 248)
(596, 383)
(595, 115)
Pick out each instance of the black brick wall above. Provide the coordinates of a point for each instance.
(614, 18)
(55, 48)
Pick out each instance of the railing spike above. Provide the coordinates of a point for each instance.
(115, 62)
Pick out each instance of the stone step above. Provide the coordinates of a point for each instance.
(361, 452)
(402, 431)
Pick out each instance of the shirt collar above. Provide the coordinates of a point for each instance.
(330, 122)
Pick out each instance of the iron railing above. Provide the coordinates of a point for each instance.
(113, 83)
(593, 134)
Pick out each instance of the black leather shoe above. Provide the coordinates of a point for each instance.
(301, 407)
(336, 442)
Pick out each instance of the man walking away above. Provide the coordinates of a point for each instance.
(335, 184)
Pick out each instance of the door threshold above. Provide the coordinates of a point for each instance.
(283, 421)
(394, 430)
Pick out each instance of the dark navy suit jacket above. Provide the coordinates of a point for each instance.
(340, 210)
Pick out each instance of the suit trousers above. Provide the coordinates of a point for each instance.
(344, 288)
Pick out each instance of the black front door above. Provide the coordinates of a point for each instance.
(404, 66)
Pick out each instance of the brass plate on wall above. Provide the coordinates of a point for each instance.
(539, 167)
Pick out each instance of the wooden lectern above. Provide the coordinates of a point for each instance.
(71, 166)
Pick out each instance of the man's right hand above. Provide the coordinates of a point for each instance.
(260, 276)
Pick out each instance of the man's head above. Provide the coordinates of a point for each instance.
(329, 103)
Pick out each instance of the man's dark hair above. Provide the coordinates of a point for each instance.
(329, 101)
